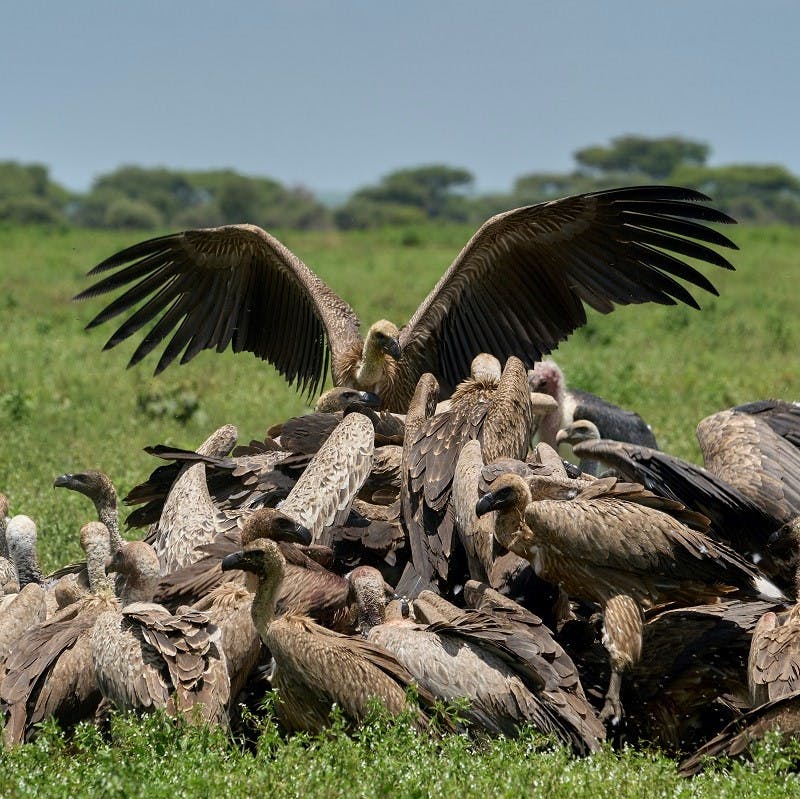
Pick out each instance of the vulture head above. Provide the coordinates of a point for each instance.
(269, 523)
(92, 484)
(337, 399)
(508, 491)
(370, 591)
(261, 557)
(138, 564)
(575, 433)
(547, 378)
(383, 337)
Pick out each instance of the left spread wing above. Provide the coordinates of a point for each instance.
(234, 285)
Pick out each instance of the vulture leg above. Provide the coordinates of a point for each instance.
(622, 637)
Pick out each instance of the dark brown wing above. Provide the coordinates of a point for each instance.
(745, 451)
(232, 285)
(519, 285)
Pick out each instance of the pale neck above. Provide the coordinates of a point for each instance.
(97, 552)
(263, 609)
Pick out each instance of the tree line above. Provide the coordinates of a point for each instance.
(133, 197)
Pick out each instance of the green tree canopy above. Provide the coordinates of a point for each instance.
(657, 158)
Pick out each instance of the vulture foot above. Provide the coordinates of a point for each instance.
(612, 709)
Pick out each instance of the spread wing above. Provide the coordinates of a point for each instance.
(232, 285)
(519, 285)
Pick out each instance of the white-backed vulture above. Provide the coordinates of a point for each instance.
(780, 715)
(49, 670)
(744, 450)
(736, 519)
(146, 658)
(692, 679)
(505, 675)
(494, 408)
(188, 517)
(518, 287)
(316, 668)
(618, 545)
(612, 421)
(774, 664)
(99, 488)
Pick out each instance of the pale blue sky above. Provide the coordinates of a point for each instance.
(333, 95)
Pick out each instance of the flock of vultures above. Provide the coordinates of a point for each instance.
(420, 528)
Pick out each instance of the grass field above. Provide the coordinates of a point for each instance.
(66, 406)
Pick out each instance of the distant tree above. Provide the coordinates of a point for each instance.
(756, 192)
(28, 196)
(436, 191)
(360, 213)
(656, 158)
(168, 191)
(126, 214)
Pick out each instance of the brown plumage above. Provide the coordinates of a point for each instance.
(146, 658)
(744, 450)
(490, 407)
(780, 715)
(316, 667)
(188, 517)
(735, 518)
(614, 544)
(49, 671)
(774, 663)
(693, 677)
(505, 674)
(517, 288)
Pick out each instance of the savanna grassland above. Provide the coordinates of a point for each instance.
(67, 406)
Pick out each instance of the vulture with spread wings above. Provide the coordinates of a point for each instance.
(517, 288)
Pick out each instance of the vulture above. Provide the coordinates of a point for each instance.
(505, 674)
(49, 670)
(573, 405)
(745, 449)
(737, 738)
(315, 667)
(98, 488)
(491, 406)
(146, 658)
(620, 546)
(518, 287)
(735, 518)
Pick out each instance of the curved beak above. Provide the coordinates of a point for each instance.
(368, 399)
(484, 504)
(64, 481)
(293, 532)
(562, 435)
(232, 561)
(393, 348)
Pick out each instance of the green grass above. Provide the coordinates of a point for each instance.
(66, 406)
(155, 758)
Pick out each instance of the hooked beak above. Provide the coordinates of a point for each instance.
(232, 561)
(393, 349)
(64, 481)
(562, 435)
(293, 532)
(368, 399)
(484, 504)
